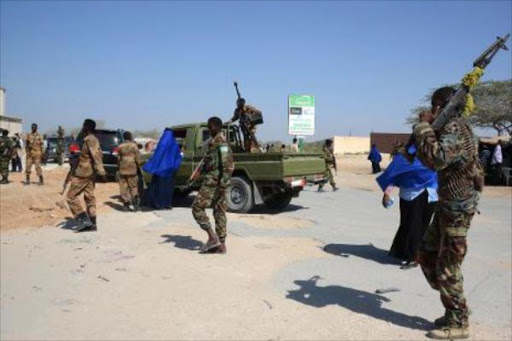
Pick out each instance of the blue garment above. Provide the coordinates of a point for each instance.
(409, 194)
(404, 174)
(163, 165)
(374, 155)
(167, 157)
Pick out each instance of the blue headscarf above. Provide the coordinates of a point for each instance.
(402, 173)
(167, 157)
(374, 154)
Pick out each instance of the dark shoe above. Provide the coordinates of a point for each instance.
(84, 223)
(126, 207)
(335, 188)
(27, 180)
(136, 204)
(41, 180)
(4, 181)
(409, 265)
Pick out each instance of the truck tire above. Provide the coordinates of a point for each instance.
(240, 195)
(278, 201)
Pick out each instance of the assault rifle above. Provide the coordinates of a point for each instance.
(460, 94)
(235, 83)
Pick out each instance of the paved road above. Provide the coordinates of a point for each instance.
(276, 281)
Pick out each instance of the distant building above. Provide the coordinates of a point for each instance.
(351, 145)
(386, 141)
(13, 124)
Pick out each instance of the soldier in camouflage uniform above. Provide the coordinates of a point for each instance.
(330, 163)
(244, 113)
(129, 165)
(60, 146)
(217, 170)
(90, 164)
(453, 152)
(5, 155)
(34, 151)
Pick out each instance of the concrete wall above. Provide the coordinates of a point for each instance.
(351, 144)
(14, 125)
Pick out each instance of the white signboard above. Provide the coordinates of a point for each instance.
(301, 115)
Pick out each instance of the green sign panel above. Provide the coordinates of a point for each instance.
(301, 115)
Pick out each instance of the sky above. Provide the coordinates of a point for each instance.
(153, 64)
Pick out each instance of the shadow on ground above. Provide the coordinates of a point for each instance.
(182, 242)
(366, 251)
(358, 301)
(68, 224)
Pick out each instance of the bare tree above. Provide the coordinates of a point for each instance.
(493, 100)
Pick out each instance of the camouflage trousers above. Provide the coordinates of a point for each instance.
(77, 187)
(4, 166)
(328, 176)
(129, 187)
(33, 159)
(442, 253)
(215, 197)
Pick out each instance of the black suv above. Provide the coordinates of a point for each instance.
(51, 150)
(109, 142)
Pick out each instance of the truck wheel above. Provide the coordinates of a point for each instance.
(240, 195)
(279, 201)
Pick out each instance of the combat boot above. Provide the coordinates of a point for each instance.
(84, 223)
(27, 180)
(212, 243)
(221, 248)
(4, 181)
(136, 204)
(443, 321)
(449, 333)
(94, 227)
(126, 207)
(41, 180)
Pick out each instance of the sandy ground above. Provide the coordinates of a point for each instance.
(310, 272)
(37, 206)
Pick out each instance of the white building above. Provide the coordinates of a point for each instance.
(13, 124)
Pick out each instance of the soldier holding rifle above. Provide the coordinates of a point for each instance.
(445, 142)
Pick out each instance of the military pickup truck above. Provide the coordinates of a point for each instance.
(272, 179)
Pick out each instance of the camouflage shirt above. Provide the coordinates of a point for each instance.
(328, 156)
(218, 162)
(91, 158)
(128, 158)
(244, 115)
(5, 147)
(453, 152)
(34, 143)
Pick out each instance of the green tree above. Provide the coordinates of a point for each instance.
(493, 100)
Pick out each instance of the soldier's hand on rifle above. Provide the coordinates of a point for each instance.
(428, 116)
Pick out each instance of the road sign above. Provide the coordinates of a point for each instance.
(301, 115)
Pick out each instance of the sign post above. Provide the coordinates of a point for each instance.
(301, 117)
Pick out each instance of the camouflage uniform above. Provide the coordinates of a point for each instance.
(248, 128)
(453, 153)
(60, 146)
(5, 156)
(329, 165)
(34, 150)
(129, 161)
(218, 168)
(83, 178)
